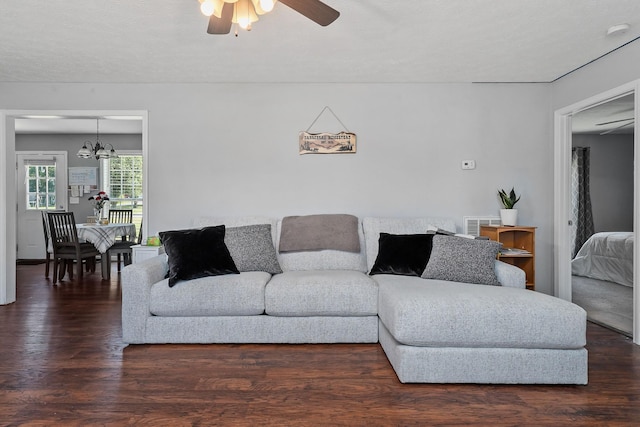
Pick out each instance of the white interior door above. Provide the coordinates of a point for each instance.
(41, 185)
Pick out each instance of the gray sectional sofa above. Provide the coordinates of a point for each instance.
(431, 329)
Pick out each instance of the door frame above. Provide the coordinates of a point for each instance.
(8, 183)
(562, 188)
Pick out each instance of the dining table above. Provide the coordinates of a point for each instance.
(103, 236)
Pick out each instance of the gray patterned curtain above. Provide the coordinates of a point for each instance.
(581, 199)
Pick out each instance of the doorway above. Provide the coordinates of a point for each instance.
(8, 179)
(602, 208)
(562, 196)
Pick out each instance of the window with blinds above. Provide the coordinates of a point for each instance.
(122, 181)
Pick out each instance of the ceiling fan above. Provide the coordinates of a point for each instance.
(625, 122)
(223, 13)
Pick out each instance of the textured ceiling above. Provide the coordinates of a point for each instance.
(372, 41)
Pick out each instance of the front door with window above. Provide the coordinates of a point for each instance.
(41, 185)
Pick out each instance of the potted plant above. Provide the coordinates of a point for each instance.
(508, 215)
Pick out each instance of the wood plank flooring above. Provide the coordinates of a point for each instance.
(62, 362)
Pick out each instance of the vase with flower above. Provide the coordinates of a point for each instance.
(98, 202)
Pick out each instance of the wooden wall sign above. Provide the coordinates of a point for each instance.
(327, 143)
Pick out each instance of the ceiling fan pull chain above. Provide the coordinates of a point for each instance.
(334, 115)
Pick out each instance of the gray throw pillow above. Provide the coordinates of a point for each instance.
(458, 259)
(251, 247)
(337, 232)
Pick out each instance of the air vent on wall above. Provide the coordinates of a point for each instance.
(472, 223)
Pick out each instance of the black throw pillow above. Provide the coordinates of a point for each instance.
(402, 254)
(197, 253)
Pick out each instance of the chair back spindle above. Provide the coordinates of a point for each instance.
(63, 229)
(120, 216)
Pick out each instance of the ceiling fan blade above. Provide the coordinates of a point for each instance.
(315, 10)
(614, 121)
(221, 25)
(617, 128)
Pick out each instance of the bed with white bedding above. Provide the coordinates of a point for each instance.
(606, 256)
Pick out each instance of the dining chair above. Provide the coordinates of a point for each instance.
(66, 246)
(120, 216)
(122, 248)
(47, 239)
(48, 248)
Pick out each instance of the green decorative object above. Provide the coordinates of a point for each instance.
(153, 241)
(508, 200)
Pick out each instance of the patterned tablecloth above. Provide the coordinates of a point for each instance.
(104, 236)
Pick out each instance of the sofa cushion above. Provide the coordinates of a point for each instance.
(321, 293)
(327, 259)
(318, 232)
(459, 259)
(251, 248)
(197, 253)
(436, 313)
(405, 254)
(231, 295)
(373, 226)
(510, 275)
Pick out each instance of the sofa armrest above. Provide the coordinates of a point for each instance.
(510, 275)
(137, 280)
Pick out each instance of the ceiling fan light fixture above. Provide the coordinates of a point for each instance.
(244, 14)
(263, 6)
(207, 7)
(211, 7)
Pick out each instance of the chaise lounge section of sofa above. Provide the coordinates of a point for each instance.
(432, 330)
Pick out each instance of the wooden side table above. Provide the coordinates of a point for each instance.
(518, 247)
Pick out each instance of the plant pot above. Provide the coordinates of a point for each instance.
(509, 217)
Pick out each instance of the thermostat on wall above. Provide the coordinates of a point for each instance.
(468, 164)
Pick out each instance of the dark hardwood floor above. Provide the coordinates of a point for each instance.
(62, 362)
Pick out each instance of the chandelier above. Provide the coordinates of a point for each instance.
(99, 151)
(224, 13)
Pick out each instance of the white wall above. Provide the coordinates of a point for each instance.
(611, 180)
(231, 149)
